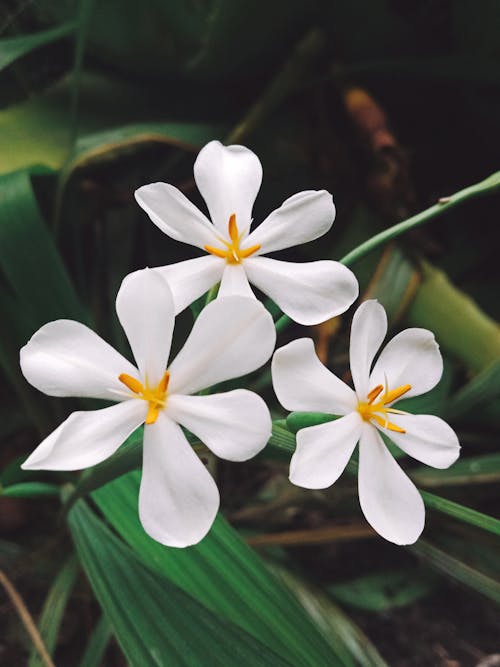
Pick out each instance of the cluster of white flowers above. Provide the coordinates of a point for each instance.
(235, 335)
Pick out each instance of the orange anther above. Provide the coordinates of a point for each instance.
(163, 386)
(232, 228)
(216, 251)
(394, 394)
(374, 393)
(232, 252)
(132, 383)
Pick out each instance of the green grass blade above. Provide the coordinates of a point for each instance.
(482, 388)
(382, 591)
(84, 14)
(29, 258)
(338, 629)
(30, 490)
(225, 575)
(97, 644)
(53, 609)
(12, 48)
(156, 623)
(36, 286)
(473, 470)
(462, 513)
(113, 117)
(456, 569)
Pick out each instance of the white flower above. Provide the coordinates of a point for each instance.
(229, 179)
(409, 365)
(178, 498)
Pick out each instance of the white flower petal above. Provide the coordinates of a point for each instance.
(175, 215)
(411, 357)
(301, 382)
(309, 293)
(229, 179)
(323, 452)
(368, 329)
(145, 308)
(390, 501)
(235, 281)
(232, 336)
(428, 439)
(87, 438)
(301, 218)
(66, 358)
(178, 499)
(235, 425)
(190, 279)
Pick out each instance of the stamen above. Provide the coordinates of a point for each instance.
(249, 251)
(163, 386)
(132, 383)
(156, 398)
(216, 251)
(232, 252)
(374, 393)
(394, 394)
(385, 423)
(232, 228)
(379, 411)
(153, 412)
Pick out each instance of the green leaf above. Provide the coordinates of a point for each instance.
(105, 145)
(97, 643)
(36, 286)
(473, 470)
(85, 12)
(483, 388)
(225, 575)
(445, 309)
(462, 513)
(29, 258)
(347, 639)
(381, 591)
(156, 623)
(456, 569)
(53, 609)
(112, 117)
(30, 490)
(13, 48)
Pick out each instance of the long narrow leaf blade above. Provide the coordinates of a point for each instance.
(12, 48)
(156, 623)
(225, 575)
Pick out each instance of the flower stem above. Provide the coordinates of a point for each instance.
(489, 185)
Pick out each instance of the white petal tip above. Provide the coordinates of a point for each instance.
(178, 543)
(296, 480)
(403, 538)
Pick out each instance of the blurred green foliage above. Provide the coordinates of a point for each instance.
(98, 98)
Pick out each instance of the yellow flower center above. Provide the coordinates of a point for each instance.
(156, 397)
(232, 253)
(379, 411)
